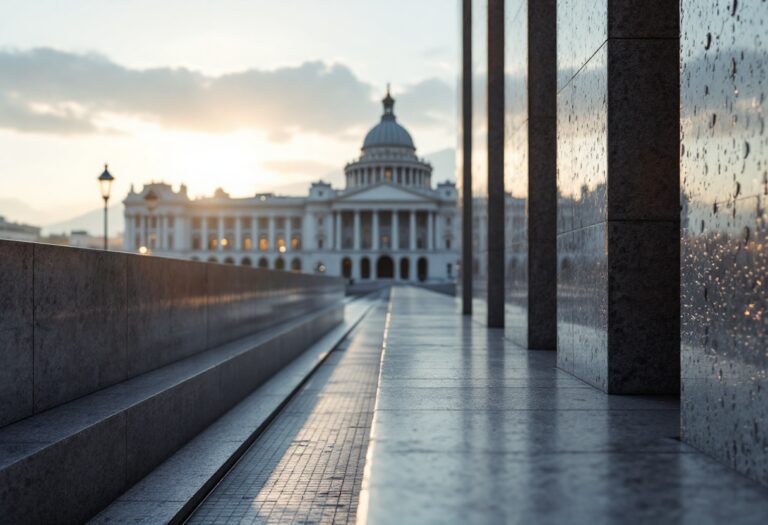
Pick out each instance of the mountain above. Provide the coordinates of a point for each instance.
(15, 210)
(92, 222)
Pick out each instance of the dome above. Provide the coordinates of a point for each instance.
(388, 133)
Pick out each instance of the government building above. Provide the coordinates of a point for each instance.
(389, 222)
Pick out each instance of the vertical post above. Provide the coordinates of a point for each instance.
(356, 240)
(271, 233)
(375, 244)
(395, 233)
(466, 185)
(430, 231)
(220, 233)
(238, 233)
(204, 232)
(288, 233)
(338, 230)
(496, 237)
(412, 233)
(254, 233)
(106, 231)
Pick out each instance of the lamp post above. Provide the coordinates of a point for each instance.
(105, 181)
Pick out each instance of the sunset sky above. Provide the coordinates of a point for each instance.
(251, 95)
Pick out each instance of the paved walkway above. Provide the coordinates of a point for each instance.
(469, 428)
(307, 467)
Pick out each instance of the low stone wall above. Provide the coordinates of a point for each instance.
(75, 321)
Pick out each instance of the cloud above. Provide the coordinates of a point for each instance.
(298, 167)
(49, 91)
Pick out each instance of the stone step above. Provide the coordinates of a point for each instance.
(173, 490)
(66, 464)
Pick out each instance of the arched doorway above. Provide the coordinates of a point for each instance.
(296, 265)
(263, 263)
(280, 264)
(385, 268)
(422, 269)
(405, 269)
(246, 262)
(229, 260)
(212, 259)
(365, 268)
(346, 268)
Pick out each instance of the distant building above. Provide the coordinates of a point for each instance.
(18, 232)
(83, 239)
(387, 223)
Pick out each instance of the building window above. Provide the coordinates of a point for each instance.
(229, 223)
(280, 223)
(296, 223)
(196, 222)
(247, 243)
(296, 243)
(170, 222)
(138, 221)
(213, 242)
(447, 244)
(388, 174)
(320, 244)
(263, 223)
(280, 244)
(320, 220)
(170, 241)
(195, 242)
(263, 243)
(246, 222)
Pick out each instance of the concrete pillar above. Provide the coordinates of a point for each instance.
(412, 231)
(254, 234)
(430, 230)
(395, 233)
(356, 233)
(271, 237)
(496, 215)
(238, 234)
(204, 232)
(143, 234)
(338, 230)
(466, 158)
(375, 244)
(288, 233)
(220, 232)
(618, 155)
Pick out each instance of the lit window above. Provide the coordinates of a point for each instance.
(247, 243)
(281, 244)
(263, 244)
(295, 243)
(388, 174)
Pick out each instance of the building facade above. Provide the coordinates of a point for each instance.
(15, 231)
(389, 222)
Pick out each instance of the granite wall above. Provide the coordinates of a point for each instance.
(617, 180)
(724, 191)
(75, 321)
(531, 179)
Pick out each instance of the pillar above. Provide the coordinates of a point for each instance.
(466, 158)
(238, 234)
(412, 232)
(338, 230)
(356, 232)
(204, 233)
(143, 230)
(272, 246)
(375, 244)
(288, 234)
(396, 233)
(618, 155)
(254, 234)
(430, 230)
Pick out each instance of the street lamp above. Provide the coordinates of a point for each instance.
(105, 181)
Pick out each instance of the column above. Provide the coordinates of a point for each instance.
(375, 231)
(220, 233)
(396, 234)
(495, 184)
(128, 236)
(238, 233)
(272, 246)
(624, 269)
(430, 231)
(288, 233)
(466, 157)
(143, 234)
(204, 232)
(254, 233)
(412, 233)
(356, 241)
(338, 230)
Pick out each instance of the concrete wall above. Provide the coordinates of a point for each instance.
(75, 321)
(617, 177)
(724, 85)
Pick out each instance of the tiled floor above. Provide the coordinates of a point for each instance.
(471, 429)
(307, 467)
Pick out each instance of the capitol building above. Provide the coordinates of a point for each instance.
(389, 222)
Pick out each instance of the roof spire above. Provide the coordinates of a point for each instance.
(389, 106)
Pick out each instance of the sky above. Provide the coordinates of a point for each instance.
(248, 95)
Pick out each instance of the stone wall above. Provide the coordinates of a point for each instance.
(75, 321)
(724, 193)
(617, 178)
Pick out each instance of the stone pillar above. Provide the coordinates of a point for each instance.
(271, 237)
(618, 155)
(396, 234)
(254, 233)
(220, 233)
(288, 233)
(143, 233)
(466, 158)
(204, 232)
(496, 215)
(412, 231)
(238, 234)
(356, 233)
(430, 230)
(375, 244)
(338, 230)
